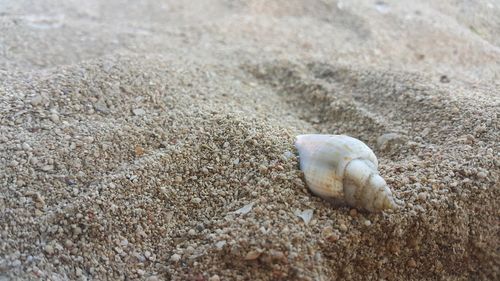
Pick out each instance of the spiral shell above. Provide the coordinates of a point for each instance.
(343, 169)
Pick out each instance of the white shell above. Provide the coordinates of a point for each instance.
(344, 169)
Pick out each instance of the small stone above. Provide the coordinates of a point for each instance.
(412, 263)
(189, 250)
(482, 175)
(288, 155)
(367, 223)
(139, 151)
(39, 198)
(480, 129)
(77, 230)
(34, 161)
(204, 170)
(252, 255)
(305, 215)
(444, 79)
(54, 117)
(141, 272)
(138, 111)
(175, 258)
(26, 146)
(78, 272)
(101, 107)
(49, 249)
(36, 100)
(245, 209)
(422, 196)
(68, 243)
(16, 263)
(263, 169)
(196, 200)
(353, 212)
(219, 245)
(214, 278)
(152, 278)
(47, 168)
(192, 232)
(277, 255)
(343, 227)
(388, 141)
(328, 234)
(200, 227)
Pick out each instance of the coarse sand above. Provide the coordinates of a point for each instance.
(153, 140)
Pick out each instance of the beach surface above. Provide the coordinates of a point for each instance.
(154, 140)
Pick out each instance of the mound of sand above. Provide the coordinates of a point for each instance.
(155, 140)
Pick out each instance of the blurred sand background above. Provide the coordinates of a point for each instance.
(130, 132)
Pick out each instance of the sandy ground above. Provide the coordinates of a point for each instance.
(130, 132)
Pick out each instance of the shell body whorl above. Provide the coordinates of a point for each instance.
(344, 169)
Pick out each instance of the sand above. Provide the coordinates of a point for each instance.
(131, 132)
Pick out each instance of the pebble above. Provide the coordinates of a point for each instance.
(263, 169)
(245, 209)
(36, 100)
(139, 150)
(138, 111)
(47, 168)
(77, 230)
(412, 263)
(26, 146)
(305, 215)
(367, 223)
(49, 249)
(387, 141)
(101, 107)
(16, 263)
(54, 117)
(252, 255)
(328, 234)
(196, 200)
(482, 175)
(192, 232)
(214, 278)
(288, 155)
(200, 227)
(444, 79)
(189, 250)
(353, 212)
(422, 196)
(175, 258)
(219, 245)
(343, 227)
(78, 272)
(68, 243)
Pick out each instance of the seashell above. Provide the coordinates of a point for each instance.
(343, 169)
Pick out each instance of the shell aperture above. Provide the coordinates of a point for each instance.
(344, 169)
